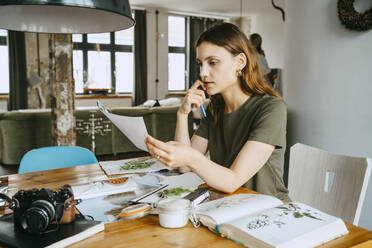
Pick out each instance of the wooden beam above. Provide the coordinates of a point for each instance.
(62, 90)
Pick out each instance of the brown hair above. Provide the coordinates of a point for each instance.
(231, 38)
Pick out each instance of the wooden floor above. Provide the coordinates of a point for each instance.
(13, 169)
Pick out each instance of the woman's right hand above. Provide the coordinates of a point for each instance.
(194, 98)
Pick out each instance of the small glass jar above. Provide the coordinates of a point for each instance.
(173, 213)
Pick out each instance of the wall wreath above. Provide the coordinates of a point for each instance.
(351, 18)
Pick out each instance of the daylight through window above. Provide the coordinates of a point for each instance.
(177, 72)
(4, 62)
(104, 61)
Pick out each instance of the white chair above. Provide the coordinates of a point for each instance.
(333, 183)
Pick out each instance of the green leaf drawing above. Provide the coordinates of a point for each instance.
(311, 216)
(298, 215)
(283, 208)
(135, 165)
(172, 192)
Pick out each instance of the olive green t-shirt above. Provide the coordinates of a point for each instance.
(261, 118)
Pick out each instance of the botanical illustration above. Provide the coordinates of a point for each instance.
(130, 166)
(137, 164)
(287, 210)
(178, 191)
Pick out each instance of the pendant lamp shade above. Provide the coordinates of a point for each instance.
(65, 16)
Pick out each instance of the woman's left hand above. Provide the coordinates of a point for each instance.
(172, 153)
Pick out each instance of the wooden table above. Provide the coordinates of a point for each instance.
(146, 232)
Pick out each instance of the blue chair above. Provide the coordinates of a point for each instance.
(55, 157)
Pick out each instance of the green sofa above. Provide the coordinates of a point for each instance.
(24, 130)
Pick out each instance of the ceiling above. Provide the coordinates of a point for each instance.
(226, 8)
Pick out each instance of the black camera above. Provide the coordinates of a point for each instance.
(35, 210)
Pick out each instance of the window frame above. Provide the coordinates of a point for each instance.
(4, 42)
(181, 50)
(86, 46)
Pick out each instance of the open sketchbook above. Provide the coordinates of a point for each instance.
(264, 221)
(132, 127)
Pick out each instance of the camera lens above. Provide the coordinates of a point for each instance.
(37, 218)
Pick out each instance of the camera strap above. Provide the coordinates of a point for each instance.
(5, 198)
(72, 203)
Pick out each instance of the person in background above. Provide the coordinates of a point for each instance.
(245, 127)
(256, 41)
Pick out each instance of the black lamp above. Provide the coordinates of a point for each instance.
(65, 16)
(58, 17)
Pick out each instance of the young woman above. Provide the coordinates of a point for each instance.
(245, 127)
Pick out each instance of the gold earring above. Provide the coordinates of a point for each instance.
(238, 73)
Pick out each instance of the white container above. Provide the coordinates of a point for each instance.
(173, 213)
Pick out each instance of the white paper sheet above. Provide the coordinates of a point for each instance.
(132, 127)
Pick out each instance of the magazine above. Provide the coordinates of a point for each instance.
(256, 220)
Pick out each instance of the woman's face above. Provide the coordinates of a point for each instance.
(218, 67)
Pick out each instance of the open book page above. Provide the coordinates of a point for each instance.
(129, 166)
(104, 187)
(184, 184)
(235, 206)
(287, 225)
(133, 127)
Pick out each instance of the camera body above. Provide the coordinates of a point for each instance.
(35, 210)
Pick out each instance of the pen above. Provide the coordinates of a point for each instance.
(202, 107)
(203, 110)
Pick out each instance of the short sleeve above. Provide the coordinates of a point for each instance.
(203, 130)
(270, 124)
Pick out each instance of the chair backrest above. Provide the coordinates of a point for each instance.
(54, 157)
(333, 183)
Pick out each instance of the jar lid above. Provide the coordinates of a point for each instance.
(134, 211)
(173, 205)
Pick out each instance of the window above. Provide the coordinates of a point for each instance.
(177, 72)
(104, 61)
(4, 62)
